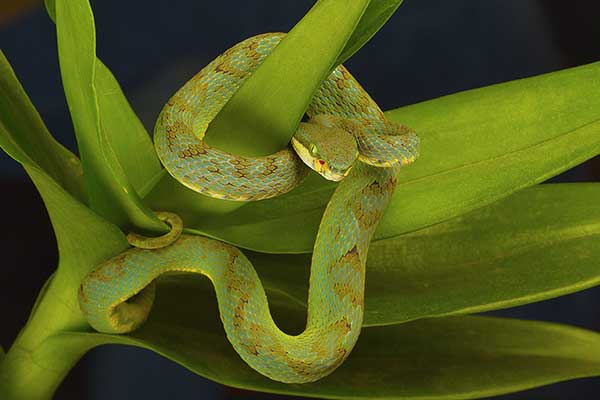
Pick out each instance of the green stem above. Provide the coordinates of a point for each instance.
(43, 353)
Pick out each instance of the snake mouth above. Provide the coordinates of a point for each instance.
(328, 173)
(318, 165)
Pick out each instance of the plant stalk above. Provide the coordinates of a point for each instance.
(43, 352)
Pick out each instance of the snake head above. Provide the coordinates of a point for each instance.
(330, 151)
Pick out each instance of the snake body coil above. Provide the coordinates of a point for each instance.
(336, 291)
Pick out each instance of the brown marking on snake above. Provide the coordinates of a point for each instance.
(338, 233)
(172, 129)
(235, 283)
(269, 167)
(320, 350)
(300, 366)
(239, 174)
(252, 348)
(238, 163)
(239, 285)
(99, 273)
(238, 318)
(241, 168)
(195, 150)
(224, 66)
(253, 345)
(357, 300)
(351, 258)
(239, 312)
(279, 351)
(368, 220)
(214, 170)
(256, 329)
(345, 290)
(341, 289)
(343, 325)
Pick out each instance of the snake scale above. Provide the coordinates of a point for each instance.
(346, 139)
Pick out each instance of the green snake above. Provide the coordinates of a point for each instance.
(346, 139)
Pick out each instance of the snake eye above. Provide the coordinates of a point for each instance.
(321, 162)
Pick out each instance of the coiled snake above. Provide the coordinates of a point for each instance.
(347, 135)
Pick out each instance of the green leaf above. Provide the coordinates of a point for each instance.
(110, 190)
(122, 127)
(476, 147)
(35, 365)
(276, 96)
(445, 358)
(41, 357)
(125, 132)
(536, 244)
(84, 239)
(263, 114)
(482, 145)
(24, 137)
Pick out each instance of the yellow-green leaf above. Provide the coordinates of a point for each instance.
(111, 193)
(441, 358)
(536, 244)
(26, 139)
(476, 147)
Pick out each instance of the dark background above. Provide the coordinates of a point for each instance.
(428, 49)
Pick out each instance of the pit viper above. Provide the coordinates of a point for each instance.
(347, 138)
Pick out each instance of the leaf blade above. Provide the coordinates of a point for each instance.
(499, 256)
(26, 139)
(110, 191)
(477, 147)
(440, 358)
(262, 115)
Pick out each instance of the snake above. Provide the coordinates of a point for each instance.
(346, 139)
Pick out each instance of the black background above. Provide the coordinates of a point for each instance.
(428, 49)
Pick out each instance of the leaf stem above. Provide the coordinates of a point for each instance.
(41, 356)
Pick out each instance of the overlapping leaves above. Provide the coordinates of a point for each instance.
(478, 147)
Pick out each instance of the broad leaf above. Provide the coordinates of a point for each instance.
(536, 244)
(110, 190)
(125, 132)
(24, 137)
(41, 357)
(35, 364)
(262, 115)
(445, 358)
(477, 147)
(122, 127)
